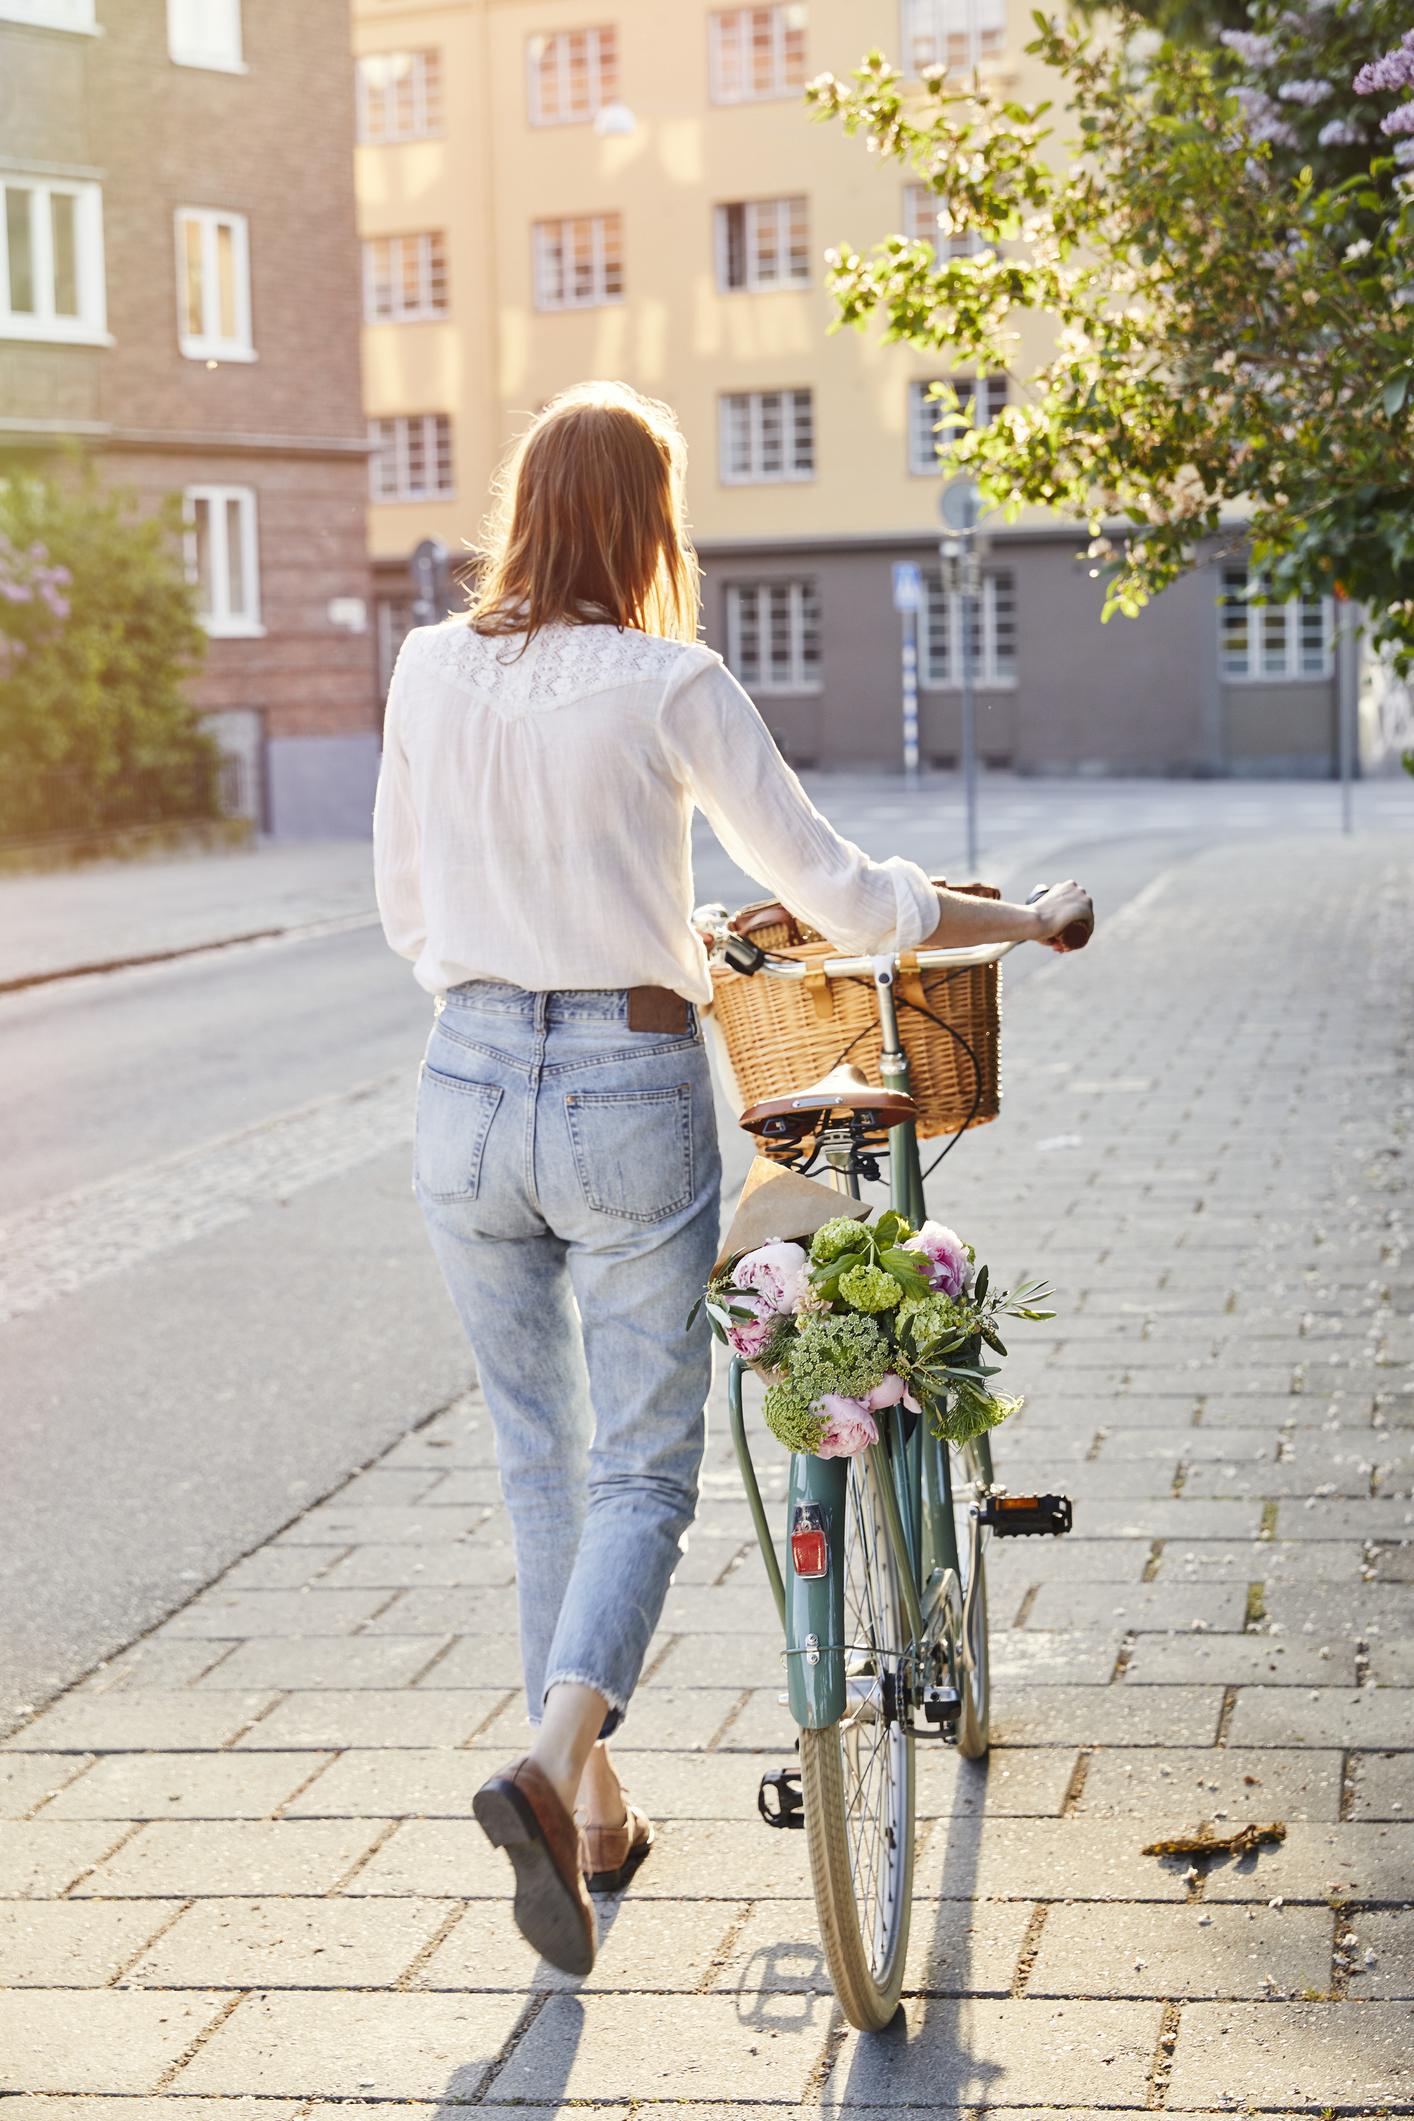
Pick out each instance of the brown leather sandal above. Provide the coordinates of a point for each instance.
(520, 1812)
(613, 1853)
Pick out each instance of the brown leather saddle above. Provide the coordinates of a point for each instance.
(784, 1126)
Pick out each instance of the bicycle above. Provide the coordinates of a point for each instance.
(883, 1592)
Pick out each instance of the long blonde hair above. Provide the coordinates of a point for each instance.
(590, 521)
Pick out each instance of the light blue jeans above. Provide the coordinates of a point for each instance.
(568, 1171)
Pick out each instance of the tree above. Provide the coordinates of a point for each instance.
(98, 639)
(1229, 309)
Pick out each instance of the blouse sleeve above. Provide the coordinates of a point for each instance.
(397, 841)
(726, 756)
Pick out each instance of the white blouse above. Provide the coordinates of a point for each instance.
(533, 815)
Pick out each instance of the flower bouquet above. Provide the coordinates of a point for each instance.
(858, 1317)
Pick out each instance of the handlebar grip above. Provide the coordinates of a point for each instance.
(1075, 934)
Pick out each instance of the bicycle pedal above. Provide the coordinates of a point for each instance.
(1017, 1516)
(788, 1808)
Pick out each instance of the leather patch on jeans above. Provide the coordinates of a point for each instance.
(657, 1009)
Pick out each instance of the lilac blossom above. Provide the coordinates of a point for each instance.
(1253, 49)
(1391, 70)
(1307, 92)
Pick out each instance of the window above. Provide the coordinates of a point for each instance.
(927, 441)
(767, 435)
(223, 559)
(773, 635)
(756, 52)
(51, 14)
(404, 278)
(921, 207)
(993, 632)
(398, 96)
(412, 457)
(1289, 640)
(763, 243)
(51, 260)
(578, 264)
(572, 75)
(213, 285)
(955, 33)
(206, 33)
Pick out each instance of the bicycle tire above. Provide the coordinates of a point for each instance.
(861, 1838)
(974, 1662)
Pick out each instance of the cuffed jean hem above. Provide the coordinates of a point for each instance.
(618, 1703)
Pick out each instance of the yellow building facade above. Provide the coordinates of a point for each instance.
(556, 189)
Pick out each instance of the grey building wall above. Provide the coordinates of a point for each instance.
(1136, 696)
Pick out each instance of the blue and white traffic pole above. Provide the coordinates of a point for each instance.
(908, 595)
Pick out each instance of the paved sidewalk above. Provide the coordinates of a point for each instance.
(243, 1875)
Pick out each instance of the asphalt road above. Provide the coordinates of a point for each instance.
(220, 1298)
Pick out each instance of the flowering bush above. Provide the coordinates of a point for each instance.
(868, 1317)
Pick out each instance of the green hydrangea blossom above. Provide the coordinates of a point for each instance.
(870, 1289)
(837, 1352)
(931, 1319)
(835, 1238)
(789, 1419)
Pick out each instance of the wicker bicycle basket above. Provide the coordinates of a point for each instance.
(783, 1034)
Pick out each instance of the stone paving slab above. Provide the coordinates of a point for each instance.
(1000, 2054)
(1210, 1782)
(231, 1856)
(1383, 1785)
(668, 2047)
(323, 2045)
(1192, 1951)
(1294, 2057)
(185, 1786)
(108, 2040)
(73, 1943)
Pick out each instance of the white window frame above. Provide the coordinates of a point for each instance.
(736, 406)
(75, 16)
(601, 67)
(921, 207)
(551, 279)
(760, 217)
(220, 54)
(940, 25)
(988, 397)
(432, 300)
(208, 345)
(786, 15)
(90, 326)
(805, 672)
(1248, 667)
(404, 491)
(427, 107)
(223, 623)
(998, 589)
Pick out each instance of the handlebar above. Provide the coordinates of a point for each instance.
(713, 923)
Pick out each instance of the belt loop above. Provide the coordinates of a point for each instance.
(542, 1011)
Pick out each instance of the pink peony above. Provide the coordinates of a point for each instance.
(776, 1272)
(887, 1393)
(849, 1426)
(949, 1268)
(749, 1336)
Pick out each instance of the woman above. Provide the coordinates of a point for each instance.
(542, 757)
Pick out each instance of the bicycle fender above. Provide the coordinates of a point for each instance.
(815, 1675)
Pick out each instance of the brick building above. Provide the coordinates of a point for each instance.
(179, 293)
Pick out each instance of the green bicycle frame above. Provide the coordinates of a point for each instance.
(913, 1469)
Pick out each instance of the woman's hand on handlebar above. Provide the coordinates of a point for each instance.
(1064, 915)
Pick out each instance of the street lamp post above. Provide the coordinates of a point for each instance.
(962, 553)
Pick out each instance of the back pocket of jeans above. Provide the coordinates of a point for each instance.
(453, 1121)
(633, 1150)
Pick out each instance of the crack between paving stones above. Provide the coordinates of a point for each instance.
(438, 1938)
(727, 1721)
(1075, 1787)
(341, 1884)
(1023, 1611)
(1161, 2068)
(534, 2006)
(228, 1745)
(1151, 1567)
(118, 1978)
(725, 1949)
(1030, 1946)
(836, 2033)
(489, 1718)
(310, 1779)
(130, 1828)
(189, 2053)
(87, 1768)
(1225, 1715)
(435, 1659)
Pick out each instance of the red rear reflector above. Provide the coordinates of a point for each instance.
(809, 1553)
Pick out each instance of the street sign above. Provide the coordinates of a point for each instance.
(959, 503)
(908, 586)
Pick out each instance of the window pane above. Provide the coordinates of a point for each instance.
(416, 457)
(63, 220)
(191, 278)
(201, 538)
(1271, 619)
(1314, 651)
(236, 587)
(21, 241)
(225, 321)
(1002, 589)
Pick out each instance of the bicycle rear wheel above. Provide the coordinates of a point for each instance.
(857, 1777)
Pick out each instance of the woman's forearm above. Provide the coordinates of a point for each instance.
(963, 920)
